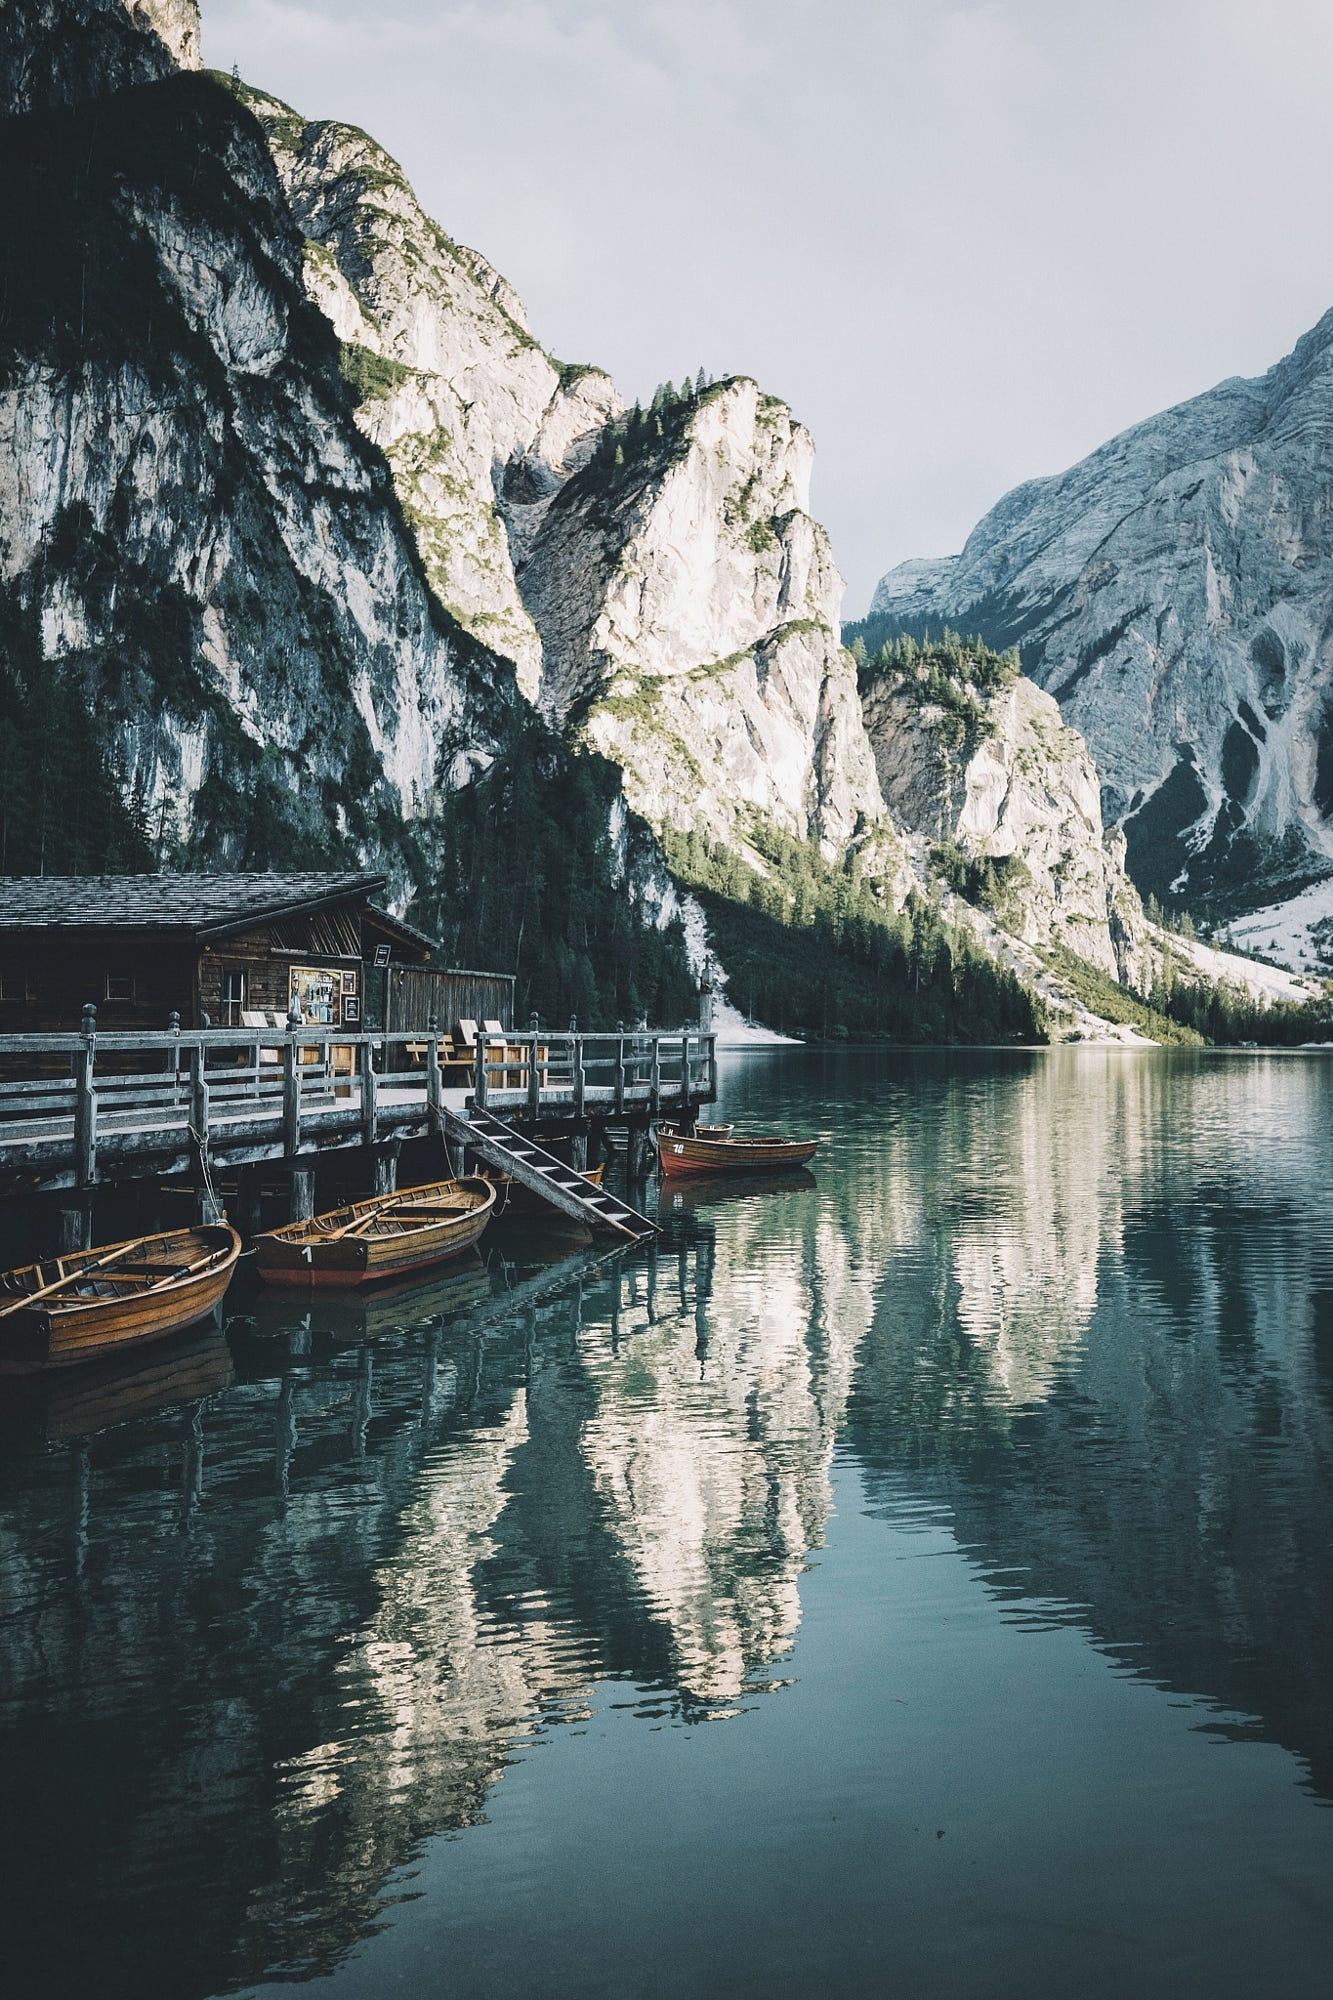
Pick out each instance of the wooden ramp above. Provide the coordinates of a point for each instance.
(502, 1145)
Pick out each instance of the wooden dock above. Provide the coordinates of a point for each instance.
(84, 1110)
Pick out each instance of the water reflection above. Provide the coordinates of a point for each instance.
(280, 1607)
(1111, 1359)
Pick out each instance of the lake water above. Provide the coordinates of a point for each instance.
(914, 1579)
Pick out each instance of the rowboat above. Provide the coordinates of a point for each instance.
(386, 1236)
(683, 1153)
(93, 1304)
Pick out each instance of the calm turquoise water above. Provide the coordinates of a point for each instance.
(911, 1580)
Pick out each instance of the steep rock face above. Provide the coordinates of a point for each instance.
(190, 520)
(478, 423)
(688, 605)
(56, 52)
(1175, 593)
(999, 775)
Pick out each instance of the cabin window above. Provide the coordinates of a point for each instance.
(16, 986)
(118, 986)
(233, 996)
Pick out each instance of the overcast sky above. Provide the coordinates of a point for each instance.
(966, 239)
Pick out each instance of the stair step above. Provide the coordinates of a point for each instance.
(557, 1175)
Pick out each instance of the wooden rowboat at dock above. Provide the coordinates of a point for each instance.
(683, 1153)
(93, 1304)
(386, 1236)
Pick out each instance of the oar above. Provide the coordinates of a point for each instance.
(71, 1277)
(357, 1222)
(414, 1211)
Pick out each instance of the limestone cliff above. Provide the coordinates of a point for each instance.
(478, 423)
(191, 522)
(688, 605)
(294, 497)
(1174, 591)
(978, 760)
(60, 52)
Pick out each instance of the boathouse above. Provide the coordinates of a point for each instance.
(232, 948)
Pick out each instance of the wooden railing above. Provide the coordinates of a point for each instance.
(77, 1109)
(583, 1074)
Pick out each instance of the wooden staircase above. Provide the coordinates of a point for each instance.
(504, 1146)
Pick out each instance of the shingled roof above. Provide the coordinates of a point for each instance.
(199, 905)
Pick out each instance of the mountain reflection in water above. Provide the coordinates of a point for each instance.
(282, 1606)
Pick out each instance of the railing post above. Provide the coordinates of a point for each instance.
(534, 1078)
(199, 1097)
(685, 1073)
(620, 1073)
(481, 1086)
(712, 1067)
(370, 1090)
(85, 1102)
(291, 1095)
(655, 1075)
(434, 1098)
(580, 1076)
(206, 1206)
(174, 1055)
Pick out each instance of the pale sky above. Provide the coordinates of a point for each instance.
(968, 240)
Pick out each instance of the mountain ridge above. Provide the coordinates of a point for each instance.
(1174, 591)
(341, 561)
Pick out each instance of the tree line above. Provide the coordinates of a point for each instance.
(535, 869)
(640, 428)
(809, 947)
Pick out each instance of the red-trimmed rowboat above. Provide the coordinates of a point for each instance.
(683, 1153)
(386, 1236)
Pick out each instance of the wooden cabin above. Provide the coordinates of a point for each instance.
(142, 947)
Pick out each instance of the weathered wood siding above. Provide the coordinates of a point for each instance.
(267, 972)
(415, 994)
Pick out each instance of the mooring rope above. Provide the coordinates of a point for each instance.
(218, 1210)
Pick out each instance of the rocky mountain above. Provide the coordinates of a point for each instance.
(214, 601)
(977, 759)
(689, 606)
(655, 577)
(1174, 592)
(479, 424)
(54, 53)
(330, 556)
(192, 525)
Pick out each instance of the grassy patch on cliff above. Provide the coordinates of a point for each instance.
(368, 374)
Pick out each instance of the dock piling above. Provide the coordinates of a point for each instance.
(301, 1195)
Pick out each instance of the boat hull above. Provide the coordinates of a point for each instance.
(317, 1256)
(680, 1154)
(70, 1332)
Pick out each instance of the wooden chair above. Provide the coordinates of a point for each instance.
(255, 1017)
